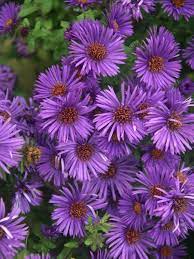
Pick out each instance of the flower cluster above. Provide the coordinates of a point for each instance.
(80, 149)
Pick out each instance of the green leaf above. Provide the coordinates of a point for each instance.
(64, 24)
(25, 11)
(72, 244)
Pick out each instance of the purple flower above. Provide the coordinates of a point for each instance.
(157, 62)
(22, 48)
(8, 17)
(186, 86)
(185, 176)
(97, 49)
(27, 194)
(119, 19)
(188, 53)
(49, 231)
(51, 166)
(7, 78)
(153, 183)
(55, 82)
(82, 3)
(74, 206)
(178, 8)
(116, 179)
(83, 158)
(172, 127)
(163, 233)
(101, 254)
(168, 252)
(38, 256)
(136, 7)
(13, 232)
(10, 145)
(66, 118)
(113, 148)
(156, 158)
(125, 241)
(120, 116)
(177, 205)
(132, 209)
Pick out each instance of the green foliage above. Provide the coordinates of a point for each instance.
(95, 230)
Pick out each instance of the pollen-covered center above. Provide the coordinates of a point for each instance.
(82, 1)
(143, 108)
(84, 151)
(9, 22)
(59, 89)
(154, 190)
(32, 154)
(115, 25)
(168, 226)
(157, 154)
(180, 205)
(156, 64)
(5, 115)
(110, 173)
(68, 115)
(2, 233)
(132, 236)
(137, 207)
(78, 210)
(166, 251)
(174, 122)
(97, 51)
(178, 3)
(123, 114)
(181, 176)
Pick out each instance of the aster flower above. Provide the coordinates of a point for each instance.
(13, 232)
(7, 78)
(38, 256)
(188, 53)
(136, 7)
(49, 231)
(82, 3)
(132, 209)
(97, 49)
(178, 8)
(125, 241)
(177, 205)
(101, 254)
(119, 19)
(83, 158)
(8, 17)
(31, 154)
(74, 206)
(120, 116)
(66, 118)
(113, 148)
(51, 166)
(185, 176)
(22, 48)
(168, 252)
(117, 178)
(172, 127)
(156, 158)
(153, 183)
(157, 62)
(186, 86)
(27, 194)
(163, 233)
(10, 145)
(55, 82)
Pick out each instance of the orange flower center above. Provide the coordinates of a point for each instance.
(181, 177)
(168, 226)
(9, 23)
(110, 173)
(82, 1)
(5, 115)
(143, 107)
(97, 51)
(59, 89)
(154, 190)
(68, 115)
(78, 210)
(1, 233)
(32, 154)
(137, 207)
(180, 205)
(123, 114)
(132, 236)
(166, 251)
(156, 64)
(115, 25)
(157, 154)
(84, 151)
(174, 122)
(178, 3)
